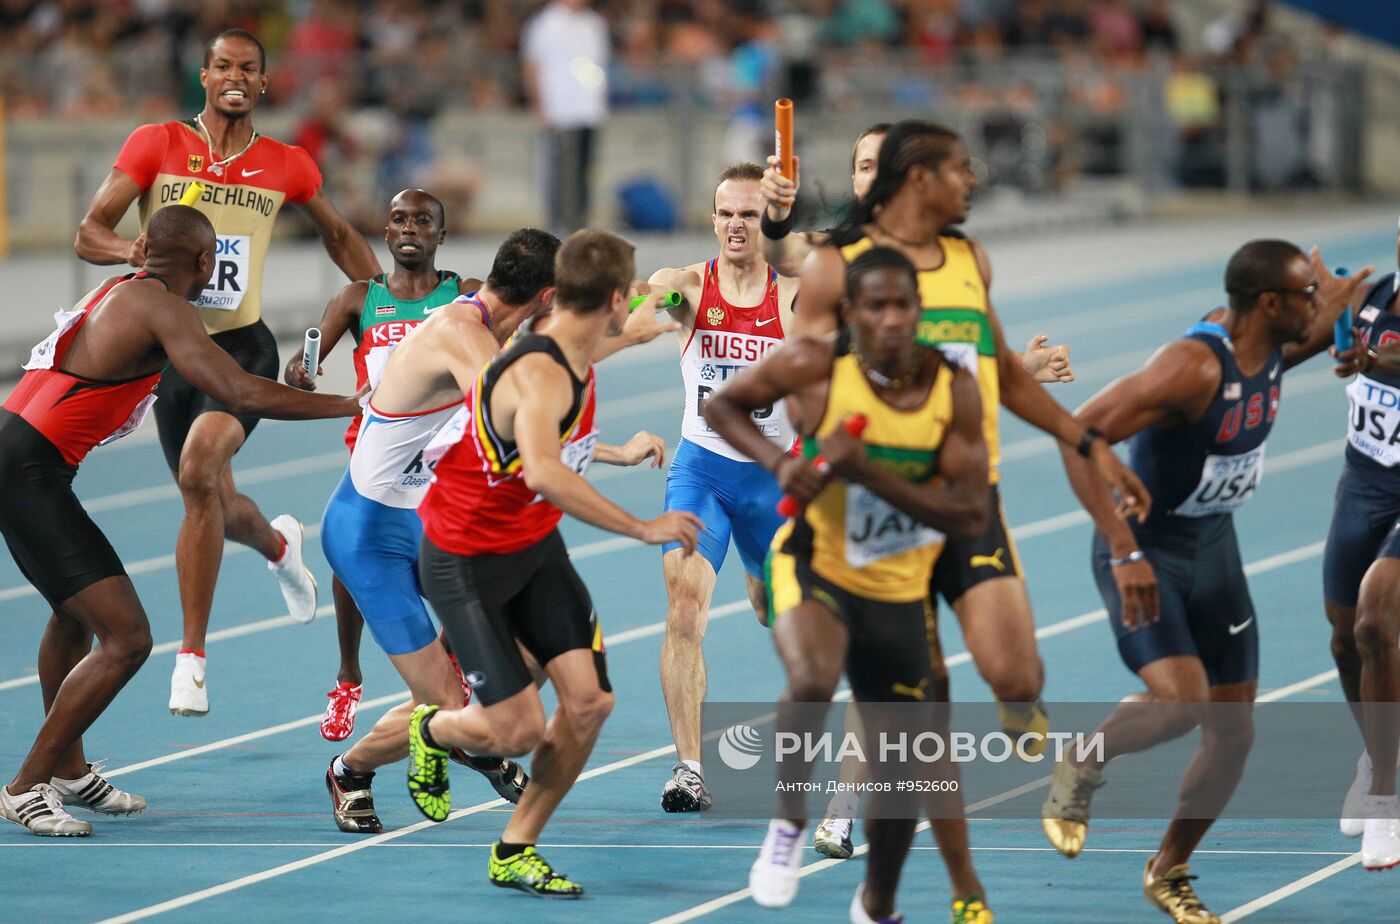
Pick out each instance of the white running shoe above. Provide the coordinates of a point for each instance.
(773, 876)
(296, 580)
(1353, 820)
(1380, 840)
(41, 811)
(93, 791)
(860, 916)
(188, 695)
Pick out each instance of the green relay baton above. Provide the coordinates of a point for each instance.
(671, 299)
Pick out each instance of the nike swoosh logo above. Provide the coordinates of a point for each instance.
(1236, 630)
(761, 323)
(432, 309)
(254, 172)
(199, 682)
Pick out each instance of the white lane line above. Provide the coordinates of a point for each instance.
(621, 638)
(551, 847)
(1276, 561)
(1298, 885)
(254, 878)
(739, 895)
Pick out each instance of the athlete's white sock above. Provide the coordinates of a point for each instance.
(843, 805)
(695, 765)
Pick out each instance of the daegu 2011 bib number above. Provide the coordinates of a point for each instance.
(1373, 427)
(229, 283)
(1226, 483)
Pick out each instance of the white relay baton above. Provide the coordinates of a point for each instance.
(311, 353)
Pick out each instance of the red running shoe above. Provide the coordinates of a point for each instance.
(339, 720)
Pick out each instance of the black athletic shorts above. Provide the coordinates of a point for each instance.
(893, 655)
(1365, 527)
(486, 603)
(1205, 608)
(53, 540)
(965, 563)
(254, 349)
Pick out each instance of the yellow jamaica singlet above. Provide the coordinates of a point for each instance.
(850, 536)
(954, 299)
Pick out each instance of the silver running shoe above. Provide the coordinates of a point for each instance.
(685, 791)
(93, 791)
(41, 811)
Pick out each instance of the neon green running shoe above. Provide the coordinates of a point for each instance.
(530, 873)
(971, 910)
(427, 769)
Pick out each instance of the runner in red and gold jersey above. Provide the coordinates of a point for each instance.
(247, 179)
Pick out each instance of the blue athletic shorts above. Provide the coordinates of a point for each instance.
(373, 549)
(1206, 611)
(1365, 526)
(732, 498)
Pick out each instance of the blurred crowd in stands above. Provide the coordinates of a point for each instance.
(1046, 83)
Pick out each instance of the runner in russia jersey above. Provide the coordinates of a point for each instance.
(735, 309)
(724, 340)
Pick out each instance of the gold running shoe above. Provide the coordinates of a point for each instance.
(1174, 895)
(1019, 719)
(1065, 812)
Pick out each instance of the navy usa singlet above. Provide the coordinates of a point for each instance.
(1199, 475)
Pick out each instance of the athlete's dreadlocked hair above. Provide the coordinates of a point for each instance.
(877, 258)
(1256, 268)
(908, 144)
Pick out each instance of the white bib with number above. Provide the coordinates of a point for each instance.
(1226, 483)
(1373, 428)
(875, 530)
(134, 420)
(42, 356)
(230, 281)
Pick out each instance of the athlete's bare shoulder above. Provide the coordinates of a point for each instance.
(684, 279)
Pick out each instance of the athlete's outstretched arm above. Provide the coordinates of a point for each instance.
(823, 285)
(209, 369)
(335, 321)
(800, 367)
(643, 325)
(535, 393)
(958, 503)
(639, 448)
(348, 248)
(97, 240)
(1334, 293)
(1176, 385)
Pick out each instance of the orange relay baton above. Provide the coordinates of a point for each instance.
(782, 131)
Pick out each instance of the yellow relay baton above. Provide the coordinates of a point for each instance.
(192, 194)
